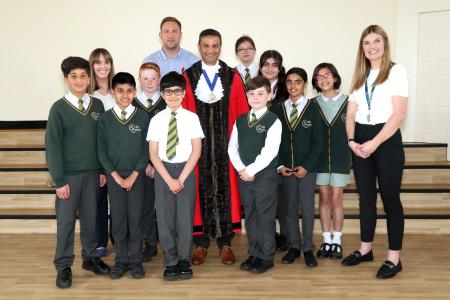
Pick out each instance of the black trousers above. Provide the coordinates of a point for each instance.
(385, 165)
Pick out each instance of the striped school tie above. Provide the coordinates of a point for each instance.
(122, 116)
(253, 119)
(247, 76)
(172, 137)
(81, 106)
(150, 103)
(294, 115)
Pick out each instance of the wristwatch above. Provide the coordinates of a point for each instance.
(350, 140)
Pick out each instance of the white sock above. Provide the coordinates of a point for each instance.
(337, 237)
(326, 237)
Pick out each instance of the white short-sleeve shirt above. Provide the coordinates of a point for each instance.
(381, 107)
(188, 128)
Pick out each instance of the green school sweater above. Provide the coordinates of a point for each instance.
(71, 139)
(158, 106)
(335, 156)
(302, 143)
(122, 146)
(252, 138)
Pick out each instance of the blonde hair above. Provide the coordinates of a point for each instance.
(362, 65)
(95, 58)
(150, 66)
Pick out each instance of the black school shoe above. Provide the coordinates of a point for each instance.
(118, 270)
(137, 271)
(96, 265)
(282, 242)
(336, 251)
(291, 256)
(64, 278)
(248, 263)
(171, 273)
(148, 252)
(389, 270)
(310, 260)
(184, 270)
(356, 258)
(261, 266)
(324, 251)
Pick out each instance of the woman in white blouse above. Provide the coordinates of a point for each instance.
(376, 108)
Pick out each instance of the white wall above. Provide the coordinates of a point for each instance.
(37, 35)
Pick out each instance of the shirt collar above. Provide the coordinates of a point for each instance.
(142, 97)
(163, 54)
(130, 109)
(298, 102)
(335, 98)
(178, 110)
(211, 69)
(74, 100)
(259, 113)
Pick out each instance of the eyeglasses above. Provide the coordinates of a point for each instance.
(245, 50)
(326, 75)
(169, 92)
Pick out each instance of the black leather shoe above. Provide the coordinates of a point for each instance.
(282, 242)
(97, 266)
(148, 252)
(261, 266)
(336, 251)
(389, 270)
(184, 270)
(324, 251)
(291, 256)
(64, 278)
(356, 258)
(137, 271)
(171, 273)
(310, 259)
(118, 270)
(248, 263)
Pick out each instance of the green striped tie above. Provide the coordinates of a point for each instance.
(172, 137)
(150, 104)
(294, 114)
(253, 119)
(247, 76)
(122, 116)
(81, 106)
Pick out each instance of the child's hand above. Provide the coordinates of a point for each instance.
(175, 185)
(102, 180)
(128, 182)
(300, 172)
(63, 192)
(244, 176)
(149, 171)
(285, 171)
(117, 178)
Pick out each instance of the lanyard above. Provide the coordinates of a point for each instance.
(368, 96)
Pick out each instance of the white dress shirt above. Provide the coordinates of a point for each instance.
(301, 103)
(253, 70)
(129, 109)
(143, 98)
(188, 128)
(74, 100)
(268, 152)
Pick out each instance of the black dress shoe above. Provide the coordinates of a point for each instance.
(261, 266)
(96, 265)
(324, 251)
(281, 241)
(137, 271)
(118, 270)
(356, 258)
(171, 273)
(310, 259)
(148, 252)
(336, 251)
(248, 263)
(389, 270)
(291, 256)
(184, 270)
(64, 278)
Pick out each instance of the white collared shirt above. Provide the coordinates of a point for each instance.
(188, 128)
(108, 100)
(268, 152)
(143, 99)
(381, 107)
(203, 92)
(74, 100)
(129, 110)
(253, 69)
(301, 103)
(335, 98)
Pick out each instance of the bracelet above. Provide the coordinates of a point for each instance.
(350, 140)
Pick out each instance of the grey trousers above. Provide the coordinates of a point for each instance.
(175, 215)
(281, 207)
(149, 228)
(259, 198)
(83, 200)
(126, 212)
(299, 194)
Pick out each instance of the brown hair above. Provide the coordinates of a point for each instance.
(150, 66)
(169, 19)
(362, 65)
(258, 82)
(95, 58)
